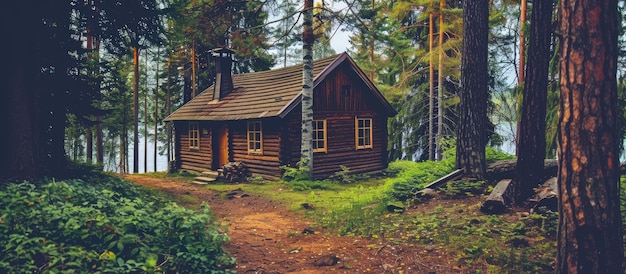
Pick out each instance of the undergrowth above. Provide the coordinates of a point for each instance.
(104, 224)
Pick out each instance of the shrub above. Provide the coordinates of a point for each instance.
(108, 225)
(298, 173)
(343, 176)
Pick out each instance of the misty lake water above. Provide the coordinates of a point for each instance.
(161, 164)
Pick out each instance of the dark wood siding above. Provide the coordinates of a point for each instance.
(341, 144)
(194, 159)
(265, 164)
(340, 92)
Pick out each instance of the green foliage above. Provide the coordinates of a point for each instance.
(256, 180)
(303, 185)
(463, 188)
(104, 225)
(412, 177)
(343, 176)
(494, 154)
(298, 173)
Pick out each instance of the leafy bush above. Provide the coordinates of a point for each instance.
(493, 154)
(108, 225)
(343, 176)
(298, 173)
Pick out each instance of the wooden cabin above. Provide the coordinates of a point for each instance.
(255, 118)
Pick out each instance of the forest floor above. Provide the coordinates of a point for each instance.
(267, 237)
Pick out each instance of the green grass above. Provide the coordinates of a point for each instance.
(486, 243)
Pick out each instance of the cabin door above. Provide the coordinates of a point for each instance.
(222, 146)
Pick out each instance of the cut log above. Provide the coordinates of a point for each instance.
(451, 176)
(546, 197)
(498, 199)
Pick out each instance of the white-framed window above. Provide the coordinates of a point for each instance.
(363, 132)
(194, 135)
(319, 136)
(255, 137)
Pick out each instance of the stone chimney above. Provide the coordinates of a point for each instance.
(223, 58)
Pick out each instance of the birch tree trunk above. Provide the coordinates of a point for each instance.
(442, 4)
(308, 38)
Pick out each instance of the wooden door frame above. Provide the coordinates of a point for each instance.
(217, 136)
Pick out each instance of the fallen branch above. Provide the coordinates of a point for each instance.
(451, 176)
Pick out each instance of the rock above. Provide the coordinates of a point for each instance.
(426, 193)
(260, 271)
(326, 260)
(308, 206)
(295, 250)
(394, 208)
(430, 248)
(519, 242)
(237, 193)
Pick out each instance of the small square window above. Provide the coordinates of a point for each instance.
(254, 137)
(363, 127)
(194, 135)
(319, 136)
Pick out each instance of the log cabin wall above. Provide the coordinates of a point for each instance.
(339, 99)
(266, 163)
(187, 158)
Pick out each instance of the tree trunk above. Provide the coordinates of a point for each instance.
(168, 103)
(431, 82)
(471, 138)
(145, 120)
(522, 43)
(193, 68)
(99, 140)
(89, 145)
(590, 225)
(156, 109)
(136, 110)
(531, 149)
(308, 38)
(440, 89)
(20, 143)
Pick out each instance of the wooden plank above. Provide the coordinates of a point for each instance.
(451, 176)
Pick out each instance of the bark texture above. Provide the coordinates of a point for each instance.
(471, 139)
(308, 38)
(590, 232)
(532, 126)
(20, 144)
(136, 110)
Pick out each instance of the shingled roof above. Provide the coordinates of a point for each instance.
(264, 94)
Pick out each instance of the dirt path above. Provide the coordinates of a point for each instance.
(267, 238)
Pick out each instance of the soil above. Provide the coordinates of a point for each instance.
(266, 237)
